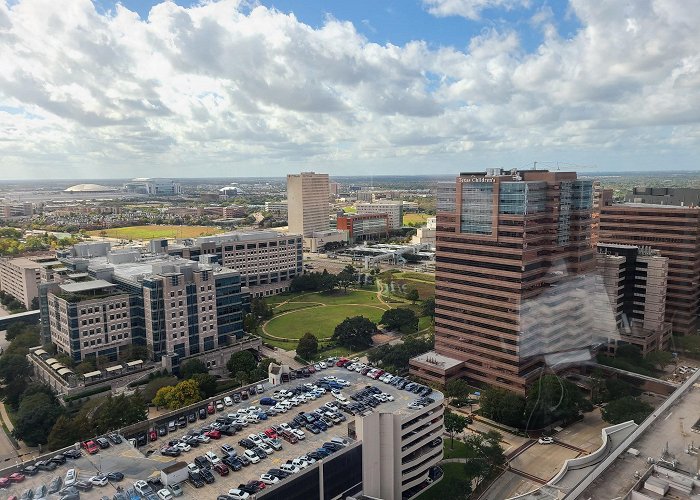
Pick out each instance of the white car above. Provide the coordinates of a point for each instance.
(99, 480)
(142, 487)
(355, 359)
(255, 438)
(340, 441)
(242, 422)
(545, 440)
(193, 468)
(211, 456)
(289, 468)
(280, 409)
(342, 382)
(301, 464)
(219, 406)
(340, 397)
(299, 434)
(323, 365)
(250, 455)
(285, 426)
(183, 446)
(165, 494)
(310, 460)
(252, 419)
(228, 401)
(203, 439)
(269, 479)
(237, 494)
(266, 448)
(70, 478)
(387, 396)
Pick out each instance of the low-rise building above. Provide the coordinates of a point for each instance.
(153, 186)
(392, 209)
(278, 208)
(266, 260)
(364, 227)
(10, 210)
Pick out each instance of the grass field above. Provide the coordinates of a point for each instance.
(399, 287)
(156, 231)
(415, 218)
(321, 321)
(427, 277)
(445, 488)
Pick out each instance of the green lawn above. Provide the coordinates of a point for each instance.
(459, 450)
(413, 218)
(321, 321)
(156, 231)
(429, 277)
(445, 488)
(368, 297)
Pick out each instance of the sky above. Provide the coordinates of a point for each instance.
(104, 89)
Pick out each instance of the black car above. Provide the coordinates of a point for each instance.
(279, 473)
(69, 493)
(182, 422)
(244, 395)
(115, 476)
(315, 455)
(83, 485)
(142, 439)
(30, 470)
(192, 417)
(251, 487)
(260, 452)
(227, 430)
(58, 460)
(170, 452)
(312, 428)
(74, 454)
(300, 420)
(102, 443)
(244, 460)
(155, 483)
(232, 463)
(236, 397)
(202, 413)
(333, 446)
(46, 465)
(246, 443)
(55, 485)
(195, 479)
(162, 431)
(201, 462)
(207, 475)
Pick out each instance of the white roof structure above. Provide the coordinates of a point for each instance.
(88, 188)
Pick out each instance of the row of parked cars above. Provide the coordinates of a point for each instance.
(290, 467)
(68, 486)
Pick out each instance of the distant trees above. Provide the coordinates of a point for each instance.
(395, 357)
(355, 333)
(191, 367)
(400, 319)
(307, 346)
(626, 408)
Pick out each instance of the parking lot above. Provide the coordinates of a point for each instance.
(289, 451)
(117, 458)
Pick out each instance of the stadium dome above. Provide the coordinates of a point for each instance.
(88, 188)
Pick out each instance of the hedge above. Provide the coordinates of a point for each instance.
(87, 394)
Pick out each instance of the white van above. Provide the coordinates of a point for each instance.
(70, 478)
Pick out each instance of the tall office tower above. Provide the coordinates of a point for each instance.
(514, 270)
(308, 204)
(675, 232)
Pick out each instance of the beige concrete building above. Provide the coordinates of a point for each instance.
(10, 210)
(20, 278)
(393, 210)
(267, 260)
(635, 280)
(398, 449)
(308, 204)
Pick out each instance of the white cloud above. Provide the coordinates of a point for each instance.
(214, 89)
(471, 9)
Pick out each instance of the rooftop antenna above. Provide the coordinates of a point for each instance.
(534, 165)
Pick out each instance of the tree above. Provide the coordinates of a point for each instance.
(206, 383)
(428, 307)
(307, 346)
(404, 320)
(260, 308)
(454, 424)
(64, 432)
(327, 282)
(553, 398)
(250, 323)
(412, 295)
(183, 394)
(457, 388)
(484, 456)
(152, 388)
(660, 359)
(34, 304)
(241, 361)
(616, 389)
(36, 416)
(355, 333)
(625, 409)
(502, 406)
(191, 367)
(345, 278)
(13, 366)
(134, 352)
(261, 371)
(86, 366)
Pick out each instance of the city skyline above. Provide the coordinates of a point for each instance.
(102, 90)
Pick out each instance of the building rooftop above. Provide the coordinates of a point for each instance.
(86, 286)
(25, 263)
(241, 236)
(649, 205)
(433, 358)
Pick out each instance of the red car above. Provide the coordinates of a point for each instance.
(271, 433)
(211, 408)
(91, 447)
(221, 469)
(16, 477)
(311, 369)
(152, 435)
(342, 362)
(4, 482)
(214, 434)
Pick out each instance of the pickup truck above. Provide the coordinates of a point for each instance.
(91, 447)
